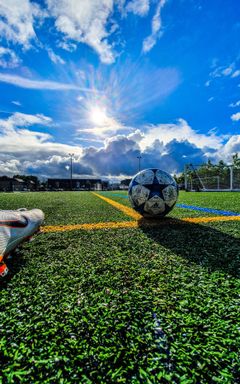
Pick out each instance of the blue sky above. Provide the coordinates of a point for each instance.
(107, 80)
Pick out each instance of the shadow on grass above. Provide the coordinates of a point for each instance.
(197, 243)
(14, 264)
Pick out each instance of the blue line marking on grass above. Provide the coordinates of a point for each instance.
(209, 210)
(119, 195)
(194, 208)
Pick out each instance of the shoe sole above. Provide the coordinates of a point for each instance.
(3, 268)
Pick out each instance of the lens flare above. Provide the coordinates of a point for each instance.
(98, 116)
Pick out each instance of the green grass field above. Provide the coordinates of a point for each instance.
(132, 305)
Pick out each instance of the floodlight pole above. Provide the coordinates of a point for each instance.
(71, 169)
(231, 177)
(185, 177)
(139, 162)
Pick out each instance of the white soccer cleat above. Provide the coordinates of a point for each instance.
(16, 227)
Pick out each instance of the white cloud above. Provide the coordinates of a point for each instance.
(17, 19)
(150, 41)
(119, 154)
(235, 116)
(67, 46)
(233, 105)
(236, 73)
(23, 148)
(21, 144)
(102, 124)
(15, 102)
(89, 22)
(26, 150)
(24, 82)
(222, 71)
(85, 23)
(80, 98)
(8, 58)
(58, 165)
(23, 120)
(227, 71)
(9, 167)
(231, 147)
(210, 99)
(180, 131)
(138, 7)
(54, 57)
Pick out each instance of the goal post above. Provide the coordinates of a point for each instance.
(209, 177)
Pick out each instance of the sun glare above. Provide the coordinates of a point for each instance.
(98, 116)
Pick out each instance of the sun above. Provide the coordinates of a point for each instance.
(98, 116)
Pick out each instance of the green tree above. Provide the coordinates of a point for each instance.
(236, 160)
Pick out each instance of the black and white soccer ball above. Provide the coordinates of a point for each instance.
(153, 192)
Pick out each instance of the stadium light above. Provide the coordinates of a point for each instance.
(71, 168)
(139, 162)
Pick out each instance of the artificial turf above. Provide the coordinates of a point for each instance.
(64, 207)
(144, 305)
(229, 201)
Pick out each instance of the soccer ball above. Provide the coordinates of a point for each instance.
(153, 192)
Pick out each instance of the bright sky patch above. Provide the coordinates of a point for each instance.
(107, 80)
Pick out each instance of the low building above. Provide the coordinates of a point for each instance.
(77, 184)
(8, 184)
(125, 184)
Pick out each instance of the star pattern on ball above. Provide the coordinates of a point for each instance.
(153, 192)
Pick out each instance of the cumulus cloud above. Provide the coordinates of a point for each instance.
(17, 18)
(25, 149)
(10, 167)
(180, 131)
(231, 147)
(235, 116)
(8, 58)
(58, 166)
(24, 120)
(78, 22)
(119, 155)
(138, 7)
(22, 146)
(89, 22)
(85, 23)
(150, 40)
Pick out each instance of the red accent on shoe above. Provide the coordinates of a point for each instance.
(3, 270)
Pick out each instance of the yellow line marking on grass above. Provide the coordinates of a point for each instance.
(137, 223)
(91, 226)
(128, 211)
(211, 218)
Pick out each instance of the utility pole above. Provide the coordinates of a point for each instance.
(231, 177)
(185, 177)
(71, 169)
(139, 162)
